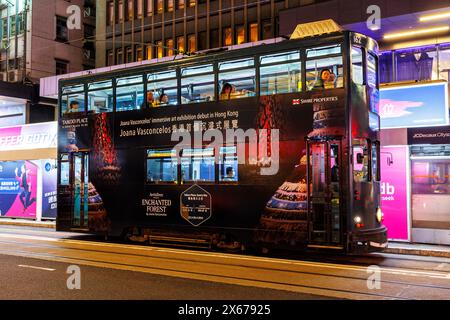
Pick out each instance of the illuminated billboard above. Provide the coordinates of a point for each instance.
(418, 105)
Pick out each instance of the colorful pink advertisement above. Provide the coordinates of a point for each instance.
(18, 189)
(394, 191)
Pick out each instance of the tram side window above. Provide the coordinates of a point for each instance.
(197, 84)
(162, 166)
(129, 93)
(228, 164)
(237, 79)
(72, 99)
(279, 75)
(162, 89)
(376, 174)
(326, 73)
(100, 97)
(372, 71)
(357, 66)
(65, 170)
(361, 159)
(198, 165)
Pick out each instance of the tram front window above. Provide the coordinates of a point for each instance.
(361, 159)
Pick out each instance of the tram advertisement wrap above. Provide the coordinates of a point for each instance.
(394, 195)
(18, 189)
(120, 146)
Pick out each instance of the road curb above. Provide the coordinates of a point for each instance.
(418, 252)
(28, 224)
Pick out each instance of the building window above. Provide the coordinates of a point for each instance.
(162, 166)
(62, 67)
(111, 13)
(417, 64)
(130, 9)
(253, 32)
(160, 6)
(110, 58)
(192, 3)
(140, 8)
(181, 4)
(149, 52)
(169, 5)
(267, 30)
(214, 38)
(149, 7)
(119, 56)
(227, 37)
(180, 44)
(129, 55)
(169, 47)
(240, 34)
(120, 9)
(159, 49)
(139, 54)
(62, 33)
(202, 40)
(192, 45)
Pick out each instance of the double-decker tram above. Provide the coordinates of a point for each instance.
(273, 145)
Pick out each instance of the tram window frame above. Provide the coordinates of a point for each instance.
(206, 153)
(77, 93)
(323, 52)
(224, 167)
(193, 76)
(370, 71)
(366, 163)
(375, 161)
(105, 87)
(283, 61)
(64, 163)
(134, 82)
(168, 80)
(360, 68)
(336, 67)
(164, 154)
(226, 75)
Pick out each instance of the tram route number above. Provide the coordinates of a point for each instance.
(226, 310)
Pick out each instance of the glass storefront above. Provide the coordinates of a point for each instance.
(416, 64)
(430, 186)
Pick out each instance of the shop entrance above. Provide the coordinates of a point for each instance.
(324, 193)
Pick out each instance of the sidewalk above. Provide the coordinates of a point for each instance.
(418, 249)
(27, 223)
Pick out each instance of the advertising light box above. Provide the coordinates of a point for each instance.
(421, 105)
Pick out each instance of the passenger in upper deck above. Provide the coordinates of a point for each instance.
(150, 101)
(229, 92)
(73, 107)
(326, 80)
(163, 99)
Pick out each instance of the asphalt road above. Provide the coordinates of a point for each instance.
(34, 265)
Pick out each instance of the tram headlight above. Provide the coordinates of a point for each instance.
(357, 219)
(380, 215)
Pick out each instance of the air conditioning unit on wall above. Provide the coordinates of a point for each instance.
(15, 76)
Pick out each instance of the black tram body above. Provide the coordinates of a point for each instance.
(121, 173)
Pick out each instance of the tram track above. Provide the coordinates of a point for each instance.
(111, 249)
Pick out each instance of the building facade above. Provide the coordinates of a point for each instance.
(136, 30)
(36, 41)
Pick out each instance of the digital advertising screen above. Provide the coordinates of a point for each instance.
(412, 106)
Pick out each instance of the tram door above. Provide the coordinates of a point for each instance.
(80, 186)
(324, 203)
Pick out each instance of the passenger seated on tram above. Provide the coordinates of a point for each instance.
(229, 92)
(150, 101)
(326, 80)
(229, 174)
(163, 99)
(73, 107)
